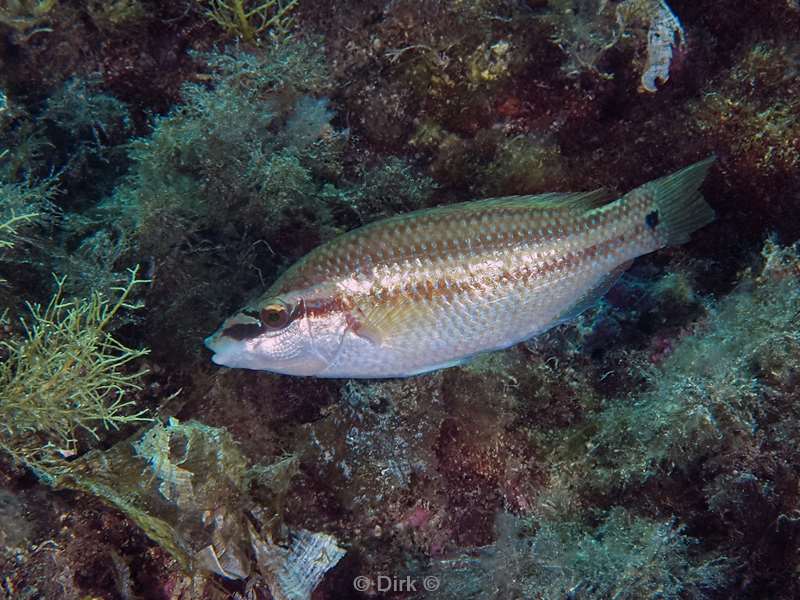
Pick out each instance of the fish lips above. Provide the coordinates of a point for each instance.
(241, 354)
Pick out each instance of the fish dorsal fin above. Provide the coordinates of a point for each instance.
(579, 201)
(573, 201)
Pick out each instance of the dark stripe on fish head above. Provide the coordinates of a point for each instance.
(243, 331)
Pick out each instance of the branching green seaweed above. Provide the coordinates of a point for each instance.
(67, 374)
(248, 19)
(21, 205)
(10, 227)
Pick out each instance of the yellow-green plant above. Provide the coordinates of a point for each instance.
(9, 227)
(248, 19)
(66, 374)
(22, 204)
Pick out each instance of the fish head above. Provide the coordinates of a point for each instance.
(279, 334)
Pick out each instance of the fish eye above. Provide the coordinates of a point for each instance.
(275, 316)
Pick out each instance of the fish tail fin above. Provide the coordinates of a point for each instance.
(680, 209)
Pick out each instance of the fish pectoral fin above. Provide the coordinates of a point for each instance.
(371, 334)
(593, 294)
(378, 323)
(358, 325)
(386, 324)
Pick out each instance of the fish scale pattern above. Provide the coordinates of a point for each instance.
(448, 284)
(431, 288)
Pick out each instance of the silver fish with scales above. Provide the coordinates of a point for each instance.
(432, 288)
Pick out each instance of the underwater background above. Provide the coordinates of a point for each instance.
(163, 162)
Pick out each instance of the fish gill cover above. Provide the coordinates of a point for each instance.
(168, 161)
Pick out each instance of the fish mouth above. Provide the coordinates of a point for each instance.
(212, 343)
(225, 352)
(233, 353)
(230, 353)
(209, 342)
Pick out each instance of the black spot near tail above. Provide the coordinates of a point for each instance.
(652, 219)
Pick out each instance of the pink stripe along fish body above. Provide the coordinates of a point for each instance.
(431, 288)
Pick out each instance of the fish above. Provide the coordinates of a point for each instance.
(433, 288)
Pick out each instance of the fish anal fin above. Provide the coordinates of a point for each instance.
(594, 293)
(445, 365)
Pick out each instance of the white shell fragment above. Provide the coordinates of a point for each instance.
(294, 572)
(665, 34)
(208, 559)
(175, 482)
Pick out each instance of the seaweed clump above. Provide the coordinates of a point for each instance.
(65, 377)
(248, 20)
(86, 128)
(60, 161)
(709, 397)
(624, 557)
(235, 153)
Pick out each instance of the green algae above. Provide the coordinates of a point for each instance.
(623, 557)
(66, 376)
